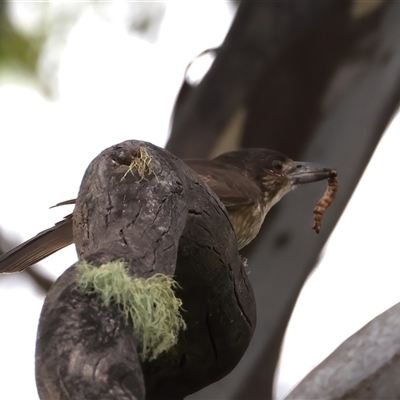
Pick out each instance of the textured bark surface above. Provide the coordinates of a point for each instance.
(85, 350)
(365, 366)
(259, 35)
(167, 221)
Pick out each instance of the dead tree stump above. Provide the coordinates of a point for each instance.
(143, 206)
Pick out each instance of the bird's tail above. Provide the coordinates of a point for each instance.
(38, 248)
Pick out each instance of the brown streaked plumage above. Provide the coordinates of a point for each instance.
(248, 182)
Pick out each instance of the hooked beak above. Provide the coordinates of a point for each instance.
(308, 172)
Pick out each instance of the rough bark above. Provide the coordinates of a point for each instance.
(167, 221)
(365, 366)
(259, 35)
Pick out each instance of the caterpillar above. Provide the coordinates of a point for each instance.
(326, 200)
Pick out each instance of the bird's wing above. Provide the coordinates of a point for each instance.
(37, 248)
(232, 188)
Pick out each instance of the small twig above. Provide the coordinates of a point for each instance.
(43, 283)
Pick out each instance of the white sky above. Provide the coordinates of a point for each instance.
(115, 87)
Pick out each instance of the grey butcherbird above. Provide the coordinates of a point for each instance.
(248, 182)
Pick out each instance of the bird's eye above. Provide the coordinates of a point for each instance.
(277, 165)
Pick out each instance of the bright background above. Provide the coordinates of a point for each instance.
(114, 86)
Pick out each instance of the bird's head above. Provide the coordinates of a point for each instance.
(275, 173)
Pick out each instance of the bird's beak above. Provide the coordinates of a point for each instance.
(307, 172)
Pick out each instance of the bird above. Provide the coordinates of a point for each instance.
(247, 181)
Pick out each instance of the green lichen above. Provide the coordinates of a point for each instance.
(150, 304)
(142, 163)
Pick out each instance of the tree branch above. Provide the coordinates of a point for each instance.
(158, 219)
